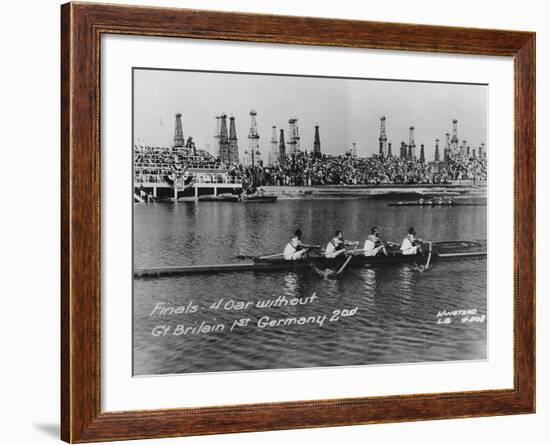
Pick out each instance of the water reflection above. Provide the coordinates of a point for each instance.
(291, 284)
(395, 320)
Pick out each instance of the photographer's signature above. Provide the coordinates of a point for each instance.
(460, 316)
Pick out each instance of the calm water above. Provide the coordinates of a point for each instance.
(393, 311)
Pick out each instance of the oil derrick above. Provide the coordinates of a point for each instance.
(294, 137)
(474, 153)
(389, 150)
(412, 146)
(253, 139)
(447, 150)
(282, 148)
(317, 143)
(403, 150)
(482, 151)
(224, 141)
(383, 140)
(463, 148)
(454, 139)
(468, 151)
(354, 150)
(274, 151)
(217, 135)
(422, 154)
(178, 133)
(233, 147)
(436, 156)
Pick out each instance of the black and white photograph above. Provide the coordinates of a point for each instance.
(287, 221)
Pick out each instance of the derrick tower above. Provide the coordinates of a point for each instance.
(454, 138)
(317, 142)
(178, 133)
(412, 146)
(436, 156)
(294, 137)
(274, 150)
(463, 148)
(447, 150)
(233, 146)
(253, 138)
(224, 140)
(217, 135)
(403, 150)
(383, 140)
(389, 150)
(282, 148)
(422, 155)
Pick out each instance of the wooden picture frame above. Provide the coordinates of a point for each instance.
(82, 26)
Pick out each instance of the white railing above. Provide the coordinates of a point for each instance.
(191, 180)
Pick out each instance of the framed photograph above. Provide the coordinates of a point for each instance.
(275, 222)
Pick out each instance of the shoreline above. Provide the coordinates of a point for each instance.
(394, 192)
(390, 191)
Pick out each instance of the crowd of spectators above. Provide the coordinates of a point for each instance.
(161, 164)
(305, 170)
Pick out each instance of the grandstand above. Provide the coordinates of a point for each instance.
(162, 173)
(168, 173)
(312, 170)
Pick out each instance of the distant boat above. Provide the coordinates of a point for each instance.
(427, 203)
(436, 202)
(258, 198)
(219, 198)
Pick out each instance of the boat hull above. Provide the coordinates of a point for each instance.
(435, 204)
(259, 199)
(335, 263)
(278, 263)
(219, 198)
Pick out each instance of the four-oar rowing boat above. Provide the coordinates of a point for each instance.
(435, 204)
(442, 251)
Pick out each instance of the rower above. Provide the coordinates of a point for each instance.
(411, 245)
(337, 245)
(295, 249)
(374, 245)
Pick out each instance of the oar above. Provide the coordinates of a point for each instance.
(429, 256)
(355, 250)
(344, 265)
(270, 256)
(277, 254)
(244, 256)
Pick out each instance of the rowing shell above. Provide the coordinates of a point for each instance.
(435, 204)
(277, 262)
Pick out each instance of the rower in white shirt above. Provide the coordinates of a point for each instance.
(411, 245)
(374, 245)
(337, 245)
(295, 249)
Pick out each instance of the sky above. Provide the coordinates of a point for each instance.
(346, 110)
